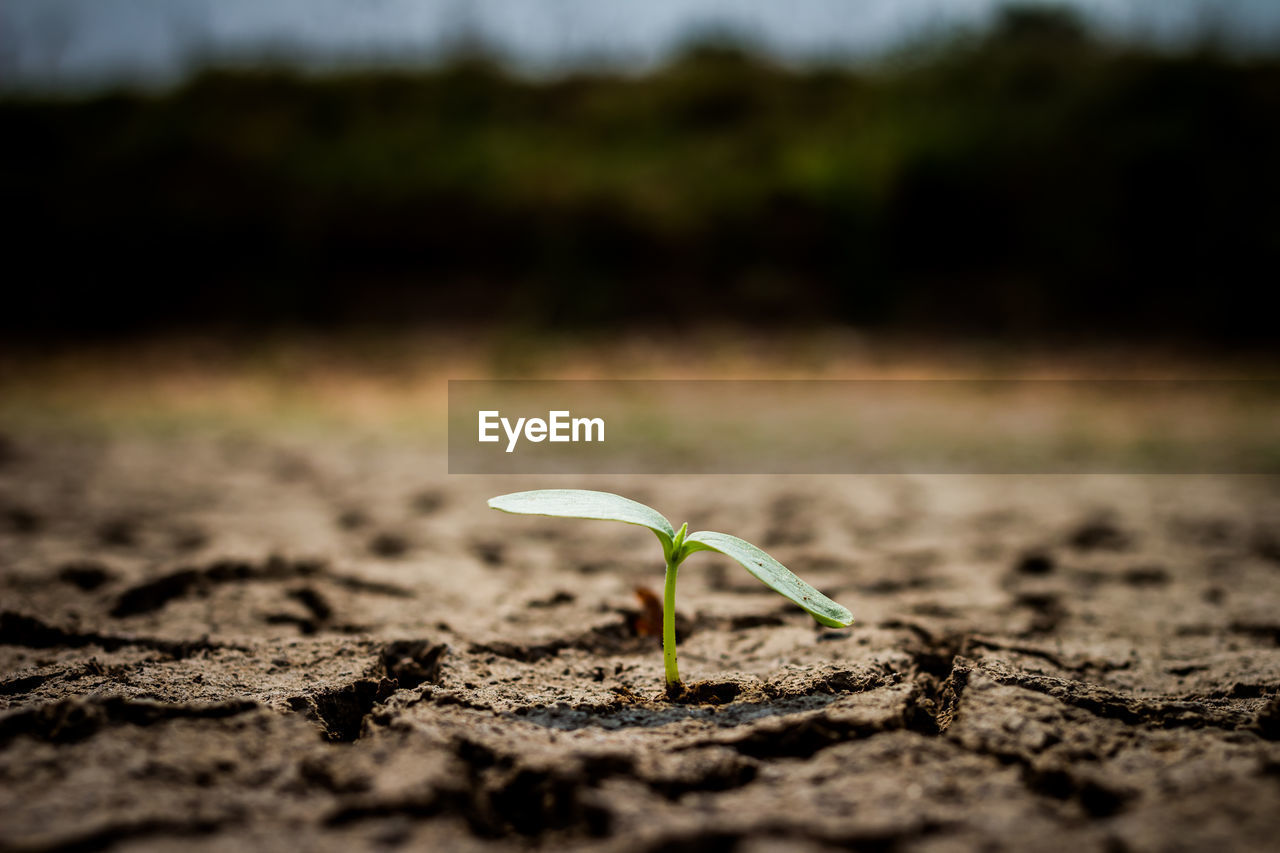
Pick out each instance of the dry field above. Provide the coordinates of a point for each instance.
(244, 607)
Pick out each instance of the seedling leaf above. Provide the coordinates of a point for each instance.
(773, 574)
(584, 503)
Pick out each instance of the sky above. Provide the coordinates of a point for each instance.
(78, 44)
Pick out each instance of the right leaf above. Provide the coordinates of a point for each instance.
(773, 574)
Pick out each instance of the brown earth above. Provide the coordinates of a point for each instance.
(232, 643)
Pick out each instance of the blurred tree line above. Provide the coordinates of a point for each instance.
(1031, 181)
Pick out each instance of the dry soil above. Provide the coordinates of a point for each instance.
(231, 643)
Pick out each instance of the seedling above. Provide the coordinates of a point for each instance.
(676, 546)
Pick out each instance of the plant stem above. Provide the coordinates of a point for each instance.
(669, 625)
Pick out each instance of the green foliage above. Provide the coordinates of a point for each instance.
(1032, 179)
(676, 546)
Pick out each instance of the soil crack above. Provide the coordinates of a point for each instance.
(112, 834)
(154, 594)
(70, 720)
(341, 711)
(1102, 702)
(19, 629)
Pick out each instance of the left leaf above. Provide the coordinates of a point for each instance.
(584, 503)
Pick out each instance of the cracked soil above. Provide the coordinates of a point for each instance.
(231, 643)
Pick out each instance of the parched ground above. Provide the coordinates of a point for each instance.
(250, 643)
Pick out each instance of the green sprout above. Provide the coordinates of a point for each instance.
(676, 546)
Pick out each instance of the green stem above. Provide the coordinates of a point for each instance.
(669, 625)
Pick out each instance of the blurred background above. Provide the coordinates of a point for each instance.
(315, 192)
